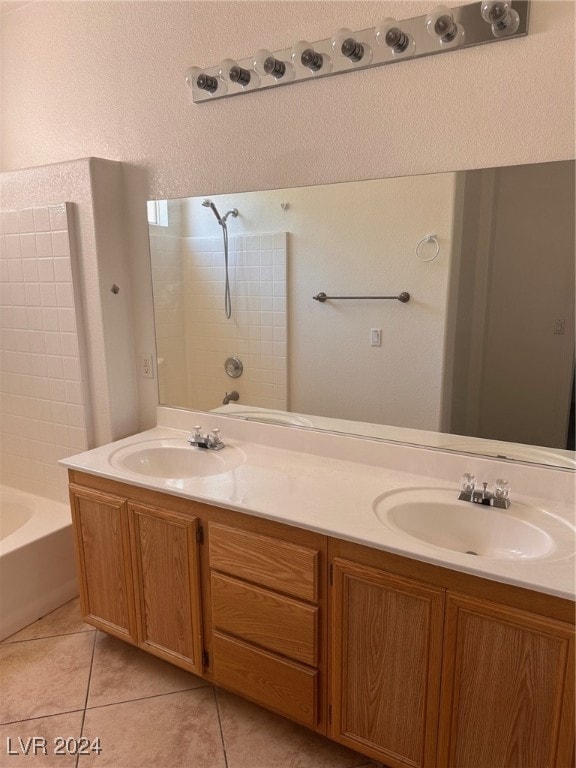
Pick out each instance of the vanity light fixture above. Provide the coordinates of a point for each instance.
(304, 55)
(440, 31)
(390, 34)
(345, 44)
(504, 20)
(441, 25)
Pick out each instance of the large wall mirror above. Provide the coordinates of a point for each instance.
(480, 359)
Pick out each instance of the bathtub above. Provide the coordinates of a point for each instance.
(37, 566)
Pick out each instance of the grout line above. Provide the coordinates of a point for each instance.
(220, 725)
(8, 641)
(40, 717)
(87, 692)
(144, 698)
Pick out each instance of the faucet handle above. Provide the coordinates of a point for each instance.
(467, 486)
(215, 439)
(502, 489)
(468, 482)
(198, 431)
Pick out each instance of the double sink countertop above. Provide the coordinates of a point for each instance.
(346, 487)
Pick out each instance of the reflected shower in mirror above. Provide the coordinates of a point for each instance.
(480, 359)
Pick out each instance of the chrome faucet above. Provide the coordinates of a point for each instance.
(499, 499)
(210, 441)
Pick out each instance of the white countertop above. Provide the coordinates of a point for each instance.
(315, 488)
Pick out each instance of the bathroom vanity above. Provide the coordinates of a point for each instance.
(276, 580)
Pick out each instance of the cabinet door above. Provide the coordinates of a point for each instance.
(166, 571)
(385, 670)
(508, 681)
(103, 556)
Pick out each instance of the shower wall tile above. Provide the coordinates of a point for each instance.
(258, 264)
(43, 406)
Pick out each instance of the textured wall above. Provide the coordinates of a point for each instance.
(106, 79)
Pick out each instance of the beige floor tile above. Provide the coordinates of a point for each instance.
(121, 672)
(256, 738)
(63, 621)
(61, 734)
(43, 677)
(178, 730)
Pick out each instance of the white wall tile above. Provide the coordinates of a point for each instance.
(45, 270)
(10, 222)
(30, 270)
(41, 220)
(28, 246)
(44, 245)
(13, 246)
(26, 220)
(50, 319)
(60, 244)
(58, 217)
(41, 382)
(48, 295)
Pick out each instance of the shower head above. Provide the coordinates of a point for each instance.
(209, 204)
(221, 219)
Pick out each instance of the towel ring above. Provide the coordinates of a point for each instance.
(428, 239)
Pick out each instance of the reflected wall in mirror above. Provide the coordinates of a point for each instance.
(484, 349)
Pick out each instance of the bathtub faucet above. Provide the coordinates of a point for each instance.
(230, 396)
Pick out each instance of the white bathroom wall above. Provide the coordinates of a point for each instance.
(44, 405)
(106, 78)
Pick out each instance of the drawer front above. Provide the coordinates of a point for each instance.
(284, 686)
(264, 560)
(277, 623)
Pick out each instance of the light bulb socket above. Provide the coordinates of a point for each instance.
(239, 75)
(352, 49)
(274, 67)
(397, 40)
(445, 28)
(500, 15)
(207, 83)
(312, 60)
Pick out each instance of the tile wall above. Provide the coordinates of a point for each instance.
(257, 329)
(43, 405)
(193, 335)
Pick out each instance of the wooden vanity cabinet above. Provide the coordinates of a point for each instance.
(138, 565)
(165, 560)
(507, 689)
(430, 667)
(266, 613)
(412, 664)
(102, 537)
(386, 655)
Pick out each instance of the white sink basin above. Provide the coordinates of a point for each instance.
(175, 459)
(436, 517)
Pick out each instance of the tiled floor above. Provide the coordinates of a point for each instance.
(61, 678)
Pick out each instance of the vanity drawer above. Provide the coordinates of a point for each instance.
(285, 686)
(264, 560)
(277, 623)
